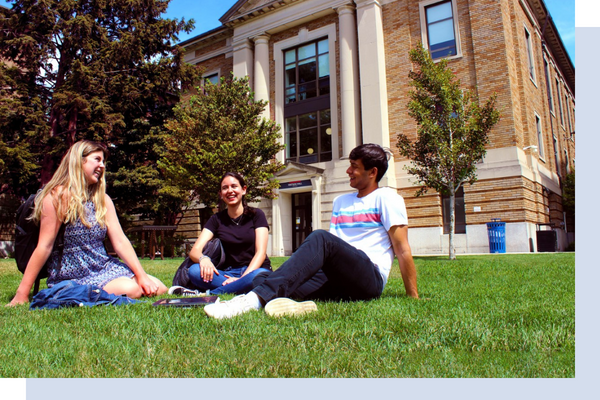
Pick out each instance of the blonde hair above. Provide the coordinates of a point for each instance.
(69, 183)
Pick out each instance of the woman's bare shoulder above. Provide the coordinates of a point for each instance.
(108, 200)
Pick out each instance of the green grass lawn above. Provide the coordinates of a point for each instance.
(482, 316)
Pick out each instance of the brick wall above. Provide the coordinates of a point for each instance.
(494, 62)
(222, 64)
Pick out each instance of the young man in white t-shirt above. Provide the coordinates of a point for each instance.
(350, 262)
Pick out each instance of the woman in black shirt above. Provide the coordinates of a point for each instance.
(243, 231)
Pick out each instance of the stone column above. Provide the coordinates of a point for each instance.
(261, 71)
(373, 80)
(242, 58)
(316, 182)
(277, 230)
(350, 100)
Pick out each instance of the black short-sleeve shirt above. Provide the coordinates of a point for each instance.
(238, 240)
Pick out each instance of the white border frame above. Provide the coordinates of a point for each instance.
(548, 68)
(529, 53)
(561, 111)
(304, 35)
(423, 19)
(539, 133)
(211, 72)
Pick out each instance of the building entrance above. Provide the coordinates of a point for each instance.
(301, 218)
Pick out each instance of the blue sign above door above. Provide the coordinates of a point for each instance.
(295, 184)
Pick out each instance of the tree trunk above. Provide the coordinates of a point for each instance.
(451, 250)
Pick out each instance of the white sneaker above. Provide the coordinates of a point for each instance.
(181, 291)
(284, 306)
(230, 308)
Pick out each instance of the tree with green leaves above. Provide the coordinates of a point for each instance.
(569, 193)
(452, 130)
(568, 199)
(90, 69)
(216, 131)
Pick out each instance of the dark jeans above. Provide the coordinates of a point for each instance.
(242, 285)
(325, 268)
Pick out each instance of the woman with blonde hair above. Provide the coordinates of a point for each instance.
(76, 196)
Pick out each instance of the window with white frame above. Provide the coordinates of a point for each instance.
(549, 86)
(573, 123)
(530, 62)
(212, 78)
(560, 107)
(307, 102)
(567, 161)
(556, 154)
(540, 138)
(439, 28)
(568, 113)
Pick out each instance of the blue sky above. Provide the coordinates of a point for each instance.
(206, 13)
(563, 15)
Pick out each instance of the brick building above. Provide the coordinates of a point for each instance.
(335, 74)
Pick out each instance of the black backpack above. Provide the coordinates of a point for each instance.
(27, 234)
(213, 249)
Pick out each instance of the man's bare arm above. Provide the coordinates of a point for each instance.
(399, 237)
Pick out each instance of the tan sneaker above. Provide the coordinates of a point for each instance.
(284, 306)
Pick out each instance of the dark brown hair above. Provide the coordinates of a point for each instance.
(247, 209)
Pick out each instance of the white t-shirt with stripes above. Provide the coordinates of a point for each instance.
(364, 223)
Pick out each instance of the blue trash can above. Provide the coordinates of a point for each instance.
(497, 235)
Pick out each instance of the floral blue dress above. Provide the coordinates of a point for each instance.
(84, 259)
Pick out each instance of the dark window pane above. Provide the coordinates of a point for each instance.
(308, 159)
(307, 121)
(290, 75)
(290, 95)
(307, 71)
(445, 49)
(325, 138)
(308, 142)
(323, 86)
(290, 138)
(325, 157)
(307, 91)
(291, 146)
(290, 124)
(325, 116)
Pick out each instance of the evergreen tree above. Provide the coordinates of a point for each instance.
(568, 199)
(104, 70)
(217, 131)
(452, 130)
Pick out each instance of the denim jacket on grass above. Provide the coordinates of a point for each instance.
(71, 294)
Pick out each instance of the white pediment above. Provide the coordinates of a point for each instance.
(253, 5)
(244, 10)
(294, 169)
